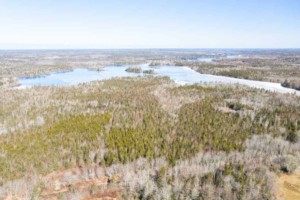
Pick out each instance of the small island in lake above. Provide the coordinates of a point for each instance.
(134, 69)
(294, 84)
(149, 72)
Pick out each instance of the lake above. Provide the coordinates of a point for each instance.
(181, 75)
(201, 59)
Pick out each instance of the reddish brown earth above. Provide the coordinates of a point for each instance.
(85, 181)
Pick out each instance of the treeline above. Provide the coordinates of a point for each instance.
(244, 74)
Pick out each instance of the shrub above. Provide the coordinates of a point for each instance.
(235, 106)
(287, 164)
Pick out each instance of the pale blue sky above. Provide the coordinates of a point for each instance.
(149, 24)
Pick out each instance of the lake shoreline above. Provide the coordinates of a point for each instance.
(180, 75)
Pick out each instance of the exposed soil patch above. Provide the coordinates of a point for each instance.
(289, 186)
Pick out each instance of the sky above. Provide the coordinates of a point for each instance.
(102, 24)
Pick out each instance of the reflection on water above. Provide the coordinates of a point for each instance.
(181, 75)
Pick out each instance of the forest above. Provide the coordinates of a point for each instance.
(120, 122)
(145, 137)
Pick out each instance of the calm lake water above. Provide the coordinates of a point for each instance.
(181, 75)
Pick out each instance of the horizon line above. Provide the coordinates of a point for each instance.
(156, 48)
